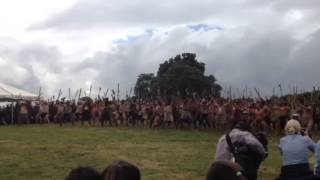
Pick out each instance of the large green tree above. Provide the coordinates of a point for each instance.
(182, 75)
(145, 85)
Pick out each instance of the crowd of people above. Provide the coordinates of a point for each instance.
(193, 112)
(240, 151)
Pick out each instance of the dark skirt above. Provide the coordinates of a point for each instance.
(296, 172)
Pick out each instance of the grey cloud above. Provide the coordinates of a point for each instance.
(134, 13)
(24, 65)
(124, 13)
(295, 4)
(305, 61)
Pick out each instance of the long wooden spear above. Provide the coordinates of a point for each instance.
(295, 94)
(280, 87)
(273, 92)
(318, 94)
(258, 93)
(59, 94)
(106, 93)
(230, 93)
(246, 94)
(75, 96)
(243, 93)
(39, 93)
(99, 93)
(80, 93)
(223, 92)
(118, 91)
(113, 95)
(239, 94)
(90, 90)
(312, 94)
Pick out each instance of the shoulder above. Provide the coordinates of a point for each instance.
(243, 136)
(290, 136)
(238, 132)
(284, 140)
(222, 138)
(307, 139)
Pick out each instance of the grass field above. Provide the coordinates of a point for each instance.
(50, 152)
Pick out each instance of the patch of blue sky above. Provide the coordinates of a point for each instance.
(204, 27)
(132, 38)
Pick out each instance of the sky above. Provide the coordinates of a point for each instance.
(61, 44)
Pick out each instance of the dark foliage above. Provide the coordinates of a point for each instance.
(182, 76)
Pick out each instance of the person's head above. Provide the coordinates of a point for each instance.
(242, 125)
(296, 116)
(292, 127)
(225, 170)
(84, 173)
(244, 115)
(121, 170)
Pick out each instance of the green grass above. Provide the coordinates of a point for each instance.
(50, 152)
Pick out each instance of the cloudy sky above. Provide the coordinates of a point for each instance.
(74, 43)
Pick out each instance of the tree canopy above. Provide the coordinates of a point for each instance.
(182, 75)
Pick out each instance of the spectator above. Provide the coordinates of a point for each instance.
(295, 149)
(243, 147)
(84, 173)
(121, 170)
(227, 170)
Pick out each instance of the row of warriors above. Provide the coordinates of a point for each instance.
(196, 113)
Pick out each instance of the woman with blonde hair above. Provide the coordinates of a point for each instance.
(295, 149)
